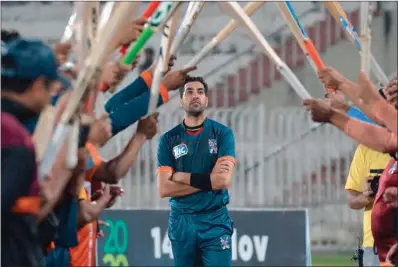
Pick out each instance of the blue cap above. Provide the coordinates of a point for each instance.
(28, 59)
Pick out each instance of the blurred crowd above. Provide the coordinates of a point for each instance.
(54, 220)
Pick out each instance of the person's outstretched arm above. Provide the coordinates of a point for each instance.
(372, 136)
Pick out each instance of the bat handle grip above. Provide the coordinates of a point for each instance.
(52, 150)
(137, 46)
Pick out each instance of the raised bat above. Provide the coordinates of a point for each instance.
(156, 24)
(100, 51)
(341, 18)
(191, 15)
(163, 60)
(366, 17)
(301, 36)
(249, 9)
(151, 8)
(234, 9)
(168, 37)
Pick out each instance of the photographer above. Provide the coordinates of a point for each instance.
(366, 167)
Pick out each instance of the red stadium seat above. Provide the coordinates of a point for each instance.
(332, 29)
(231, 89)
(243, 84)
(254, 76)
(266, 71)
(220, 103)
(324, 32)
(288, 48)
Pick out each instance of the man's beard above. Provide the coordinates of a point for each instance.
(194, 112)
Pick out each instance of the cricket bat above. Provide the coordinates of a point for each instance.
(235, 11)
(341, 18)
(163, 60)
(156, 24)
(301, 36)
(101, 49)
(191, 15)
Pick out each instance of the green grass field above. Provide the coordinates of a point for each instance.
(333, 259)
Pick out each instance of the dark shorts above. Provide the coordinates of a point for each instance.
(201, 239)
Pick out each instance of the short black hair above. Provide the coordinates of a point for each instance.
(8, 36)
(189, 79)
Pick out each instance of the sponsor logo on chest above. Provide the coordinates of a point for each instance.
(180, 150)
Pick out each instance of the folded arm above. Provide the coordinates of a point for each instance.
(220, 178)
(169, 188)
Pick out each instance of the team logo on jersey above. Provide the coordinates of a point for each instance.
(180, 150)
(393, 168)
(225, 243)
(213, 146)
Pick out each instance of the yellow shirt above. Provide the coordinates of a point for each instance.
(366, 163)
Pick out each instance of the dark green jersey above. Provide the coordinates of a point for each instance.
(185, 152)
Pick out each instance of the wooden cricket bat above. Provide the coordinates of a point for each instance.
(77, 27)
(249, 9)
(236, 12)
(341, 18)
(306, 44)
(106, 13)
(43, 131)
(156, 24)
(151, 8)
(294, 28)
(102, 47)
(366, 35)
(163, 60)
(168, 36)
(93, 19)
(68, 32)
(191, 15)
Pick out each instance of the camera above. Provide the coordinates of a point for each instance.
(374, 185)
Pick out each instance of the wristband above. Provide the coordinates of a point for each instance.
(201, 181)
(83, 135)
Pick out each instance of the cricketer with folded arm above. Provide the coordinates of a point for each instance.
(195, 167)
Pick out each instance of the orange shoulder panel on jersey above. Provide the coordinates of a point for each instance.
(83, 195)
(228, 158)
(93, 150)
(165, 169)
